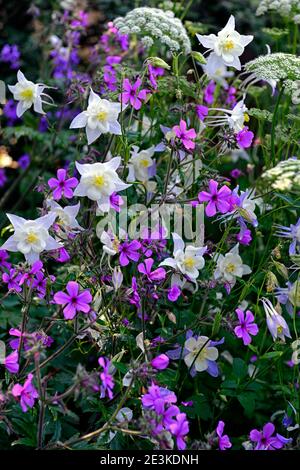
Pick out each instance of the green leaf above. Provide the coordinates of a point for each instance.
(239, 368)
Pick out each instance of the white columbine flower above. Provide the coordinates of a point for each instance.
(188, 260)
(276, 323)
(231, 266)
(235, 117)
(199, 353)
(100, 117)
(28, 94)
(31, 237)
(228, 44)
(99, 180)
(139, 164)
(216, 70)
(65, 216)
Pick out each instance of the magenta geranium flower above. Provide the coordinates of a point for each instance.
(107, 382)
(180, 429)
(129, 251)
(145, 268)
(246, 327)
(265, 440)
(74, 300)
(26, 392)
(244, 138)
(202, 111)
(133, 94)
(218, 200)
(223, 440)
(12, 279)
(62, 186)
(185, 135)
(11, 362)
(3, 257)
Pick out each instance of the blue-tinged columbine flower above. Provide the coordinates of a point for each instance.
(141, 165)
(292, 232)
(99, 181)
(277, 325)
(65, 217)
(289, 296)
(27, 94)
(31, 237)
(100, 117)
(201, 354)
(228, 45)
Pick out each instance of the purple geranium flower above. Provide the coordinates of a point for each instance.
(24, 161)
(26, 392)
(218, 200)
(246, 327)
(107, 382)
(11, 362)
(174, 293)
(62, 186)
(129, 251)
(74, 301)
(155, 72)
(133, 94)
(202, 111)
(157, 397)
(145, 268)
(3, 177)
(244, 138)
(3, 257)
(224, 441)
(209, 92)
(180, 429)
(12, 280)
(185, 135)
(265, 440)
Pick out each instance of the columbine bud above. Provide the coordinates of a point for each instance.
(198, 57)
(158, 62)
(117, 278)
(272, 282)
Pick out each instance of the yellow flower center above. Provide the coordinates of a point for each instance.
(279, 329)
(189, 262)
(27, 94)
(230, 268)
(228, 45)
(116, 244)
(102, 116)
(31, 237)
(246, 117)
(144, 163)
(99, 181)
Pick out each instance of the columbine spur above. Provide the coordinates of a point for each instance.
(153, 24)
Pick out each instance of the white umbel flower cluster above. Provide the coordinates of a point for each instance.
(286, 8)
(285, 176)
(278, 67)
(153, 24)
